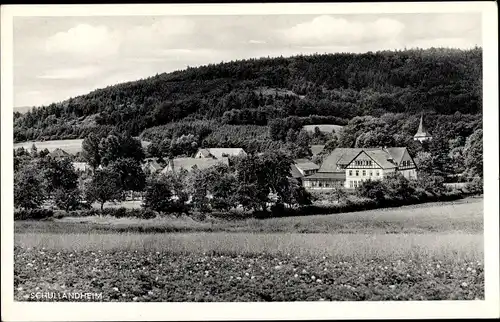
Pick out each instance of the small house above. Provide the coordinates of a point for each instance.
(189, 164)
(219, 153)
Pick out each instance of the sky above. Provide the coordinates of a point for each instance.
(56, 58)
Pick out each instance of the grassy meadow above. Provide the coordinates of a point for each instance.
(461, 216)
(70, 146)
(424, 252)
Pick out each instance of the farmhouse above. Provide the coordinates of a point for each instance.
(219, 153)
(422, 133)
(348, 167)
(151, 166)
(303, 167)
(59, 154)
(81, 166)
(189, 164)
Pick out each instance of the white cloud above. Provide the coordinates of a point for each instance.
(71, 73)
(252, 41)
(163, 33)
(84, 41)
(328, 30)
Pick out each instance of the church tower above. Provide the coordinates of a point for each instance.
(422, 133)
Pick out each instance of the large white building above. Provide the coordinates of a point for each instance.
(346, 167)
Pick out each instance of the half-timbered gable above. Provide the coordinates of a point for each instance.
(361, 164)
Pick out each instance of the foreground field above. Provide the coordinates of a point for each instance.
(464, 216)
(124, 275)
(251, 267)
(424, 252)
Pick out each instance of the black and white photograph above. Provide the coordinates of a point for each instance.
(250, 153)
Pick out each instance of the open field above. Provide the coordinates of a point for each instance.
(251, 267)
(424, 252)
(339, 246)
(323, 127)
(70, 146)
(462, 216)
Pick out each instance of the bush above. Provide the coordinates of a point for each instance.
(475, 186)
(67, 199)
(116, 212)
(33, 214)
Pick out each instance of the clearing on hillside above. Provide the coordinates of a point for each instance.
(326, 128)
(70, 146)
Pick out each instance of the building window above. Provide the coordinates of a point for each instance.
(350, 184)
(357, 173)
(371, 173)
(378, 173)
(364, 173)
(350, 172)
(320, 184)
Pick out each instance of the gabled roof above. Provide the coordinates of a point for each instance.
(204, 152)
(397, 153)
(152, 165)
(59, 153)
(381, 156)
(191, 163)
(219, 152)
(295, 172)
(304, 164)
(317, 148)
(338, 156)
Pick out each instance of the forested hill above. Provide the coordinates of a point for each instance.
(335, 87)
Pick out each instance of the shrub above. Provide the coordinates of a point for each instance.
(373, 189)
(475, 186)
(115, 212)
(33, 214)
(67, 199)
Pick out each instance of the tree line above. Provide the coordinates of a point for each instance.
(255, 182)
(441, 81)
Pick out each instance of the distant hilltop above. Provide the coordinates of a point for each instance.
(22, 109)
(254, 92)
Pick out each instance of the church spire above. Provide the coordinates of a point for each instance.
(422, 133)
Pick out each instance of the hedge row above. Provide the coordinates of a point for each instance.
(37, 214)
(34, 214)
(345, 206)
(359, 205)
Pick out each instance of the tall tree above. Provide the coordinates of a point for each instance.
(90, 150)
(28, 187)
(104, 186)
(473, 152)
(132, 177)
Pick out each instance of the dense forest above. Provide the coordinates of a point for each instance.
(237, 103)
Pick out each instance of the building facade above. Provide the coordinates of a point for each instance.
(348, 168)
